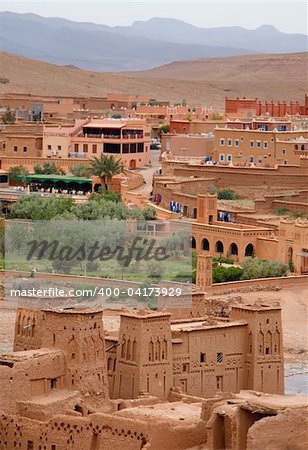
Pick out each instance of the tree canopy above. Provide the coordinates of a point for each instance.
(105, 167)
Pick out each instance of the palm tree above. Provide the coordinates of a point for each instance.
(105, 167)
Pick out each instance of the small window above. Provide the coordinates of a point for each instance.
(252, 143)
(237, 142)
(285, 163)
(251, 159)
(222, 157)
(219, 357)
(267, 350)
(30, 445)
(25, 149)
(219, 383)
(229, 142)
(222, 142)
(85, 148)
(49, 147)
(283, 151)
(59, 147)
(185, 367)
(229, 157)
(265, 145)
(53, 383)
(94, 148)
(202, 358)
(15, 148)
(76, 148)
(259, 144)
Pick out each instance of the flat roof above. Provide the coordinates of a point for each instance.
(199, 326)
(257, 306)
(105, 125)
(175, 412)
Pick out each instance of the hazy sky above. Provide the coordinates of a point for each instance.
(288, 16)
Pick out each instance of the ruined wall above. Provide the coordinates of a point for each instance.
(24, 375)
(288, 429)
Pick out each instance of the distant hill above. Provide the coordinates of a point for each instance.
(143, 45)
(265, 39)
(207, 82)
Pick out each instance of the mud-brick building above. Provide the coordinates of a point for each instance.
(202, 357)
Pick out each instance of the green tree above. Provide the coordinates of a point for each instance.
(105, 167)
(111, 196)
(48, 168)
(35, 207)
(18, 171)
(163, 129)
(81, 170)
(9, 116)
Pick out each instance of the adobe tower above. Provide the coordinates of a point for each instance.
(144, 355)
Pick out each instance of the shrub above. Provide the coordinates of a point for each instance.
(227, 194)
(223, 260)
(212, 189)
(281, 211)
(224, 274)
(254, 268)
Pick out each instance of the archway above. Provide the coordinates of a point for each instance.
(192, 242)
(205, 245)
(290, 255)
(132, 164)
(219, 247)
(249, 250)
(233, 249)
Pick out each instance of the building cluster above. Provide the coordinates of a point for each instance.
(247, 135)
(77, 381)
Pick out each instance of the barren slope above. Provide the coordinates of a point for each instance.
(203, 81)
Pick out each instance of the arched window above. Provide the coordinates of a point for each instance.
(268, 343)
(250, 343)
(261, 342)
(157, 351)
(276, 341)
(219, 247)
(290, 255)
(134, 350)
(205, 245)
(128, 350)
(123, 347)
(192, 242)
(151, 351)
(249, 250)
(233, 249)
(164, 350)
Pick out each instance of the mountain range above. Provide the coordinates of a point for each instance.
(206, 82)
(143, 45)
